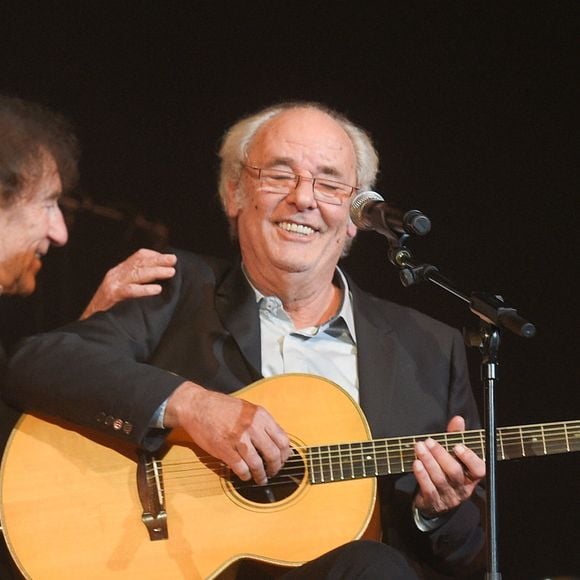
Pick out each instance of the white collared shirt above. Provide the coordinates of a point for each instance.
(328, 350)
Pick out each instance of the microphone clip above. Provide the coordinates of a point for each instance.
(400, 256)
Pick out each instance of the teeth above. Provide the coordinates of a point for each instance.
(296, 228)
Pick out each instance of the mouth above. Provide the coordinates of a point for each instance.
(295, 228)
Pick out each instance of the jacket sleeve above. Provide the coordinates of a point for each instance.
(95, 373)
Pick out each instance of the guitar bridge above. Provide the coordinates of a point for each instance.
(151, 494)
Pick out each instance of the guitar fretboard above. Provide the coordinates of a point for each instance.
(395, 455)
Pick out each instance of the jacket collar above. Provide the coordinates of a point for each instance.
(236, 306)
(378, 360)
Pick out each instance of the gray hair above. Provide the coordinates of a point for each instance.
(237, 140)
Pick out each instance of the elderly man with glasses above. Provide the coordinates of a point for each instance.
(282, 309)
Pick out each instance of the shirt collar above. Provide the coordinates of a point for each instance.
(344, 315)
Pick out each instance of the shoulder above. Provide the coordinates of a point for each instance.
(402, 319)
(190, 261)
(197, 269)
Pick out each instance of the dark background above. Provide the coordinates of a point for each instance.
(473, 107)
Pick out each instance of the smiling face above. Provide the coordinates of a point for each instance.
(28, 227)
(294, 233)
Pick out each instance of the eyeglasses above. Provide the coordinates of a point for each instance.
(283, 182)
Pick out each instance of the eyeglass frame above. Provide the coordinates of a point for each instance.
(297, 178)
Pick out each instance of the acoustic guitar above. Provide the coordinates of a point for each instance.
(75, 505)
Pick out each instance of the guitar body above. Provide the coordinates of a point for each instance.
(71, 509)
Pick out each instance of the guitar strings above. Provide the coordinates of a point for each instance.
(405, 444)
(357, 454)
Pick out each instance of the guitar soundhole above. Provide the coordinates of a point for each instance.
(283, 485)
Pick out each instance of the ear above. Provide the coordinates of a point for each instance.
(351, 230)
(232, 201)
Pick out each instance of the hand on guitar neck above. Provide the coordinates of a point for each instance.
(445, 480)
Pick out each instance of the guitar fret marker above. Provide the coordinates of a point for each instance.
(375, 458)
(330, 464)
(351, 462)
(401, 456)
(543, 439)
(364, 467)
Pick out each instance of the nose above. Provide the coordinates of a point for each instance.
(57, 232)
(303, 193)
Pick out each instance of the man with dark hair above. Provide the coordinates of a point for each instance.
(38, 161)
(39, 155)
(28, 131)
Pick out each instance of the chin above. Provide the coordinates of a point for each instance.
(292, 264)
(26, 285)
(27, 290)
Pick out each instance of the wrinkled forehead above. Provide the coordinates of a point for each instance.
(303, 136)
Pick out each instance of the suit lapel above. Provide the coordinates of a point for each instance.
(236, 306)
(377, 360)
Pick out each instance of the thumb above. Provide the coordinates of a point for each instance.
(457, 423)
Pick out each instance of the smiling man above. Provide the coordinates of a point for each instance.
(30, 226)
(282, 306)
(38, 159)
(290, 222)
(38, 162)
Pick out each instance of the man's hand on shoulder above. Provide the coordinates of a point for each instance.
(135, 277)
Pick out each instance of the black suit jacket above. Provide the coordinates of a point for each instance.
(112, 372)
(8, 418)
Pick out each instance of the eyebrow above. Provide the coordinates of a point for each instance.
(320, 170)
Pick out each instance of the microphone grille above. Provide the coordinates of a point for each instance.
(357, 205)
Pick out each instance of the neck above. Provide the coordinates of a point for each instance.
(308, 302)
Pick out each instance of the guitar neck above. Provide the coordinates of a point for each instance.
(396, 454)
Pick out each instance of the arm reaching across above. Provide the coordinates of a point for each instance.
(135, 277)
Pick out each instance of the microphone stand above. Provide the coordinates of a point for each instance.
(494, 316)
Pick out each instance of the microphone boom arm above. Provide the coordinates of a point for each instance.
(489, 308)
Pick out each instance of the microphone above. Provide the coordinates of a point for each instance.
(369, 211)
